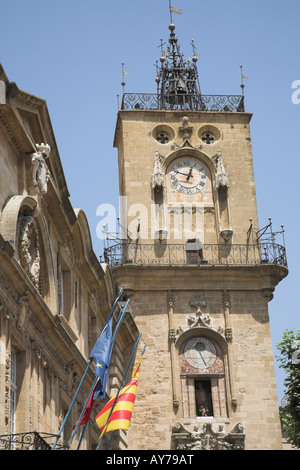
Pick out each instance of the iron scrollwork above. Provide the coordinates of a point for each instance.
(153, 101)
(212, 254)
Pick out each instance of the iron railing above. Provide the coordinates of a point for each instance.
(152, 101)
(26, 441)
(163, 254)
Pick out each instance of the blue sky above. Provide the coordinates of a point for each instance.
(69, 52)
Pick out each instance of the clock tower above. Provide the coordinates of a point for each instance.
(196, 266)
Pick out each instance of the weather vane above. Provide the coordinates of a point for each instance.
(123, 75)
(174, 10)
(243, 77)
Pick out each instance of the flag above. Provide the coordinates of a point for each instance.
(103, 349)
(87, 413)
(244, 76)
(116, 414)
(176, 10)
(101, 352)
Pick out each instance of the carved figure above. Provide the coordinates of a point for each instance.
(40, 171)
(29, 254)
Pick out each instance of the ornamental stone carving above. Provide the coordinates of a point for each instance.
(28, 248)
(40, 171)
(208, 436)
(222, 180)
(24, 312)
(185, 131)
(158, 178)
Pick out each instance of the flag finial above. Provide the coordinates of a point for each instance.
(178, 11)
(243, 77)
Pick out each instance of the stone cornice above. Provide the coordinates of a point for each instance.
(235, 278)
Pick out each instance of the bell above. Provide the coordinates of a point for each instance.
(181, 86)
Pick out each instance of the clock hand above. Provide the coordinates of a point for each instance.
(190, 174)
(199, 347)
(184, 174)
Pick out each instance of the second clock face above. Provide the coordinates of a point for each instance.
(188, 176)
(200, 353)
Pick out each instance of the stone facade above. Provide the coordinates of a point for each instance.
(55, 296)
(136, 139)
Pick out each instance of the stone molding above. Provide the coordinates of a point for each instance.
(208, 436)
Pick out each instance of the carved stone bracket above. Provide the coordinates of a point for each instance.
(36, 348)
(172, 334)
(208, 436)
(228, 334)
(170, 299)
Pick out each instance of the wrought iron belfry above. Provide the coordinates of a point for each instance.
(177, 79)
(178, 85)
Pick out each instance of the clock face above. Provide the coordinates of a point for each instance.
(200, 353)
(188, 176)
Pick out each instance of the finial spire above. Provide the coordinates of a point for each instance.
(242, 80)
(123, 75)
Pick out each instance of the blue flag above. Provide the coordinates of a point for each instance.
(101, 352)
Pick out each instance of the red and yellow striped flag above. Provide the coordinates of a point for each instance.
(119, 417)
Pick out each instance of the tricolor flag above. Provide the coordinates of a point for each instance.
(116, 414)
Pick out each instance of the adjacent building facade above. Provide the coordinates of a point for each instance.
(55, 295)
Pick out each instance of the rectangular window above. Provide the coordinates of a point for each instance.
(203, 398)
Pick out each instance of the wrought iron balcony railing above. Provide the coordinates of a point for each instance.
(152, 101)
(26, 441)
(163, 254)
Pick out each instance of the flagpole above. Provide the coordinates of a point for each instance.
(120, 318)
(110, 440)
(82, 434)
(82, 412)
(83, 377)
(170, 9)
(116, 302)
(119, 389)
(70, 407)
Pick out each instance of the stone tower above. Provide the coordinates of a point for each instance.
(198, 270)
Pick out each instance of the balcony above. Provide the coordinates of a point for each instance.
(163, 254)
(185, 102)
(27, 441)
